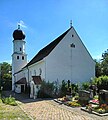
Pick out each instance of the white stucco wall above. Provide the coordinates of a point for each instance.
(17, 44)
(66, 63)
(37, 69)
(18, 64)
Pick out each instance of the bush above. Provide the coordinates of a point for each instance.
(63, 90)
(85, 85)
(46, 90)
(101, 82)
(9, 100)
(0, 100)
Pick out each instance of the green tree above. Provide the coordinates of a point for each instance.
(104, 63)
(6, 69)
(98, 71)
(101, 82)
(101, 67)
(63, 88)
(6, 76)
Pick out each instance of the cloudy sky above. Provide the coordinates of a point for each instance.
(44, 20)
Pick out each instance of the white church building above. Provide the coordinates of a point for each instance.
(65, 58)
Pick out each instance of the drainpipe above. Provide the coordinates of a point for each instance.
(28, 74)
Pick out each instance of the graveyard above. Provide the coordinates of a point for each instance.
(93, 100)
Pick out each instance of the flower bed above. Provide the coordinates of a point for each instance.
(102, 109)
(73, 104)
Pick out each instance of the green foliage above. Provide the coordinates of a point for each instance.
(85, 85)
(101, 82)
(0, 100)
(6, 76)
(74, 104)
(9, 100)
(75, 87)
(63, 89)
(102, 66)
(46, 90)
(98, 71)
(5, 68)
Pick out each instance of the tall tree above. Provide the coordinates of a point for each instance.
(98, 69)
(104, 63)
(6, 76)
(6, 69)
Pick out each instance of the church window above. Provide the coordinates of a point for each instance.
(20, 49)
(17, 57)
(40, 70)
(22, 57)
(72, 35)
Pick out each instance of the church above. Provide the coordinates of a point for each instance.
(65, 58)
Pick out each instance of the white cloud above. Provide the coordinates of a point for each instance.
(22, 24)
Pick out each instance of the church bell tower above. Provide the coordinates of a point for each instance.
(19, 56)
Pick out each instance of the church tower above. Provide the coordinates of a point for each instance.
(19, 56)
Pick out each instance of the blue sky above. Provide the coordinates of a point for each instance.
(44, 20)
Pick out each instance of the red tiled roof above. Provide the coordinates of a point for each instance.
(37, 80)
(21, 81)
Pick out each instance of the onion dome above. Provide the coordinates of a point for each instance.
(18, 34)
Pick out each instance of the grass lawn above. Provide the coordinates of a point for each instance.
(8, 112)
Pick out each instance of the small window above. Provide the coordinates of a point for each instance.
(20, 49)
(72, 35)
(40, 70)
(22, 57)
(17, 57)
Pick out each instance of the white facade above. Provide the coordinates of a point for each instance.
(64, 62)
(19, 58)
(69, 63)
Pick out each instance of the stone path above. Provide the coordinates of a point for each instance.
(48, 110)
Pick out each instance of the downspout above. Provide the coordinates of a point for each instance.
(28, 76)
(28, 81)
(45, 68)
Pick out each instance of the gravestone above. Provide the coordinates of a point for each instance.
(84, 97)
(69, 90)
(103, 97)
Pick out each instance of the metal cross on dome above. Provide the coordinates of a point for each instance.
(70, 23)
(18, 26)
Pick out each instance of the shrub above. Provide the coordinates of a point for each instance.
(9, 100)
(63, 90)
(0, 100)
(85, 85)
(101, 82)
(46, 90)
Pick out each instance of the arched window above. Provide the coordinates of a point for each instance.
(40, 71)
(20, 49)
(22, 57)
(17, 57)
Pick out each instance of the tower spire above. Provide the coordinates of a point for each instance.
(70, 23)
